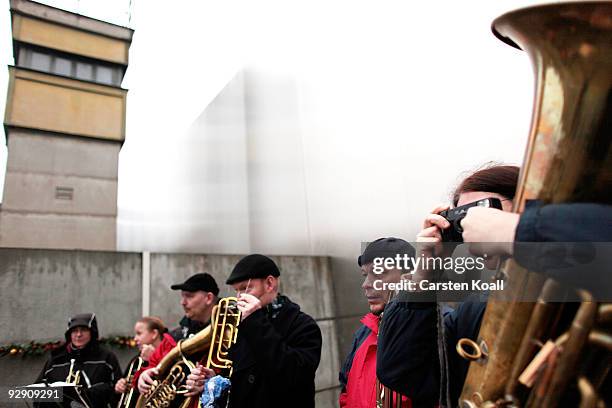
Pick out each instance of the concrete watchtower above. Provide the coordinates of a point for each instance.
(65, 125)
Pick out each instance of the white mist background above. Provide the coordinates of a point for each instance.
(392, 102)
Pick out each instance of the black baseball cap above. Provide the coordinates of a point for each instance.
(385, 248)
(254, 266)
(199, 281)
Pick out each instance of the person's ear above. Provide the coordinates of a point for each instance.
(270, 283)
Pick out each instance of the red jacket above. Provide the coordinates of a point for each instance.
(360, 390)
(160, 352)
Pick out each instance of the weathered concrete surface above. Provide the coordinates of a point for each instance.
(40, 163)
(40, 289)
(89, 196)
(37, 152)
(57, 231)
(349, 298)
(327, 398)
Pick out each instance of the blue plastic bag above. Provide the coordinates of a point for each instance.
(214, 393)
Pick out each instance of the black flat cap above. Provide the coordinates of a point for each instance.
(385, 248)
(199, 281)
(253, 267)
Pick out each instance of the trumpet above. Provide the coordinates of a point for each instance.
(215, 339)
(74, 378)
(128, 398)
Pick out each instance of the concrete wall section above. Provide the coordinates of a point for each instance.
(37, 152)
(60, 194)
(40, 289)
(75, 182)
(22, 230)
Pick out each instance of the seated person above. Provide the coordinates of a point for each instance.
(97, 367)
(149, 333)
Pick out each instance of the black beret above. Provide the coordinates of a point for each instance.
(253, 267)
(385, 248)
(199, 281)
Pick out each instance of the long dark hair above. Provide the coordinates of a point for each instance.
(500, 179)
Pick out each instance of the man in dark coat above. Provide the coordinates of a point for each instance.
(278, 347)
(98, 367)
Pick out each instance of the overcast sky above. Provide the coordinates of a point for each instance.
(427, 68)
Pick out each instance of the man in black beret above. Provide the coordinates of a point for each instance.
(199, 295)
(278, 347)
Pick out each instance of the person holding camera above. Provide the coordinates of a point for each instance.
(414, 336)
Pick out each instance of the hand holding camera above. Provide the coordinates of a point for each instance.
(455, 216)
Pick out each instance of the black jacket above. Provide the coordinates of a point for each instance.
(275, 358)
(99, 372)
(408, 359)
(187, 327)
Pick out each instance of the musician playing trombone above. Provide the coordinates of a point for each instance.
(84, 361)
(199, 294)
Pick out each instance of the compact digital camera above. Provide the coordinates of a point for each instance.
(455, 215)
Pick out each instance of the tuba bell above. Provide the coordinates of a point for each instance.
(568, 159)
(212, 342)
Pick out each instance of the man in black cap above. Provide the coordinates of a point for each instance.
(278, 347)
(199, 294)
(96, 368)
(358, 373)
(198, 297)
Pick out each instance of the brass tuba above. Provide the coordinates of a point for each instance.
(214, 340)
(568, 159)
